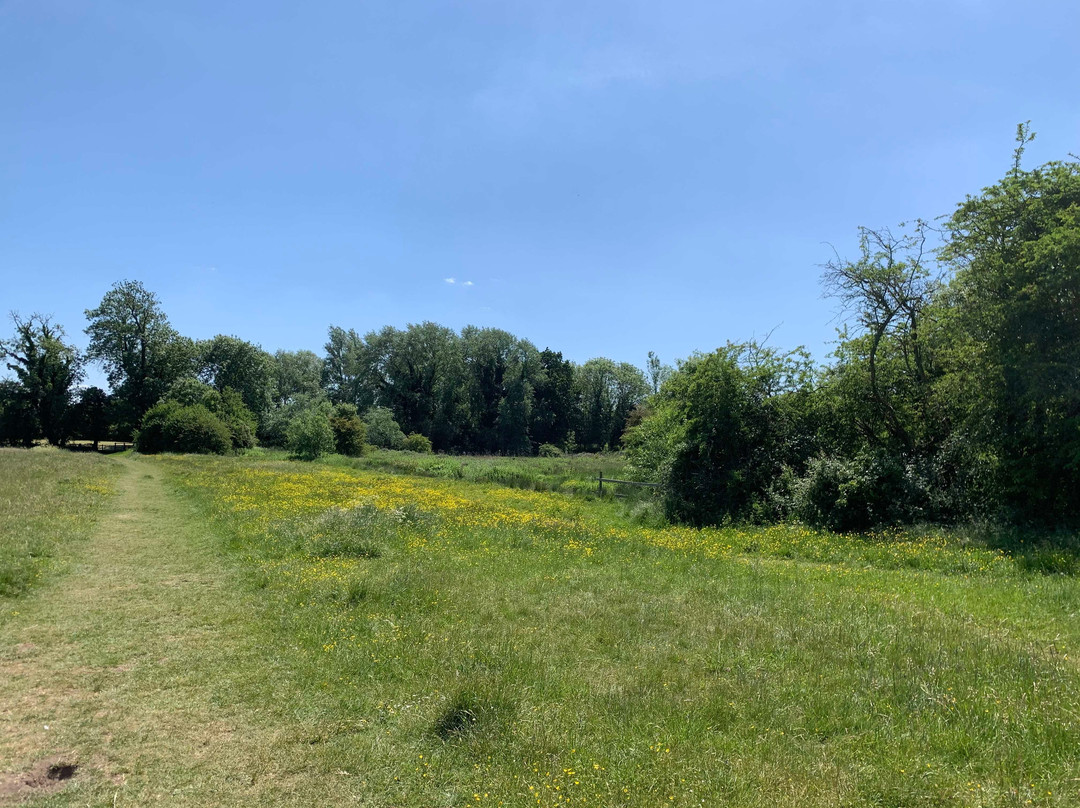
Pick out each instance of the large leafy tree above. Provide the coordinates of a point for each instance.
(343, 369)
(499, 371)
(722, 431)
(47, 370)
(608, 393)
(554, 400)
(1015, 309)
(420, 376)
(230, 362)
(141, 352)
(296, 374)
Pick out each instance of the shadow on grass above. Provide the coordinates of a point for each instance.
(1046, 551)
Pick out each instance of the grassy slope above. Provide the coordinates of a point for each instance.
(478, 657)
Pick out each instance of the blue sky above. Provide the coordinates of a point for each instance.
(602, 178)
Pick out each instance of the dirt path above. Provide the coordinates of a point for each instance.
(140, 668)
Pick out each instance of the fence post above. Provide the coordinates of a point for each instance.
(601, 491)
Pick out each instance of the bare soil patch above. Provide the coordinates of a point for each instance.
(47, 775)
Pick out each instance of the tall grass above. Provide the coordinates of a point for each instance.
(575, 473)
(48, 500)
(469, 645)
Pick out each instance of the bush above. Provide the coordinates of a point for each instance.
(382, 430)
(549, 450)
(196, 430)
(309, 435)
(150, 439)
(350, 433)
(273, 428)
(227, 406)
(867, 491)
(417, 443)
(169, 426)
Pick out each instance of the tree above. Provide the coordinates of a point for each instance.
(658, 372)
(342, 369)
(230, 362)
(1014, 357)
(92, 415)
(420, 379)
(310, 435)
(498, 375)
(890, 288)
(609, 392)
(141, 353)
(296, 373)
(47, 370)
(554, 400)
(18, 421)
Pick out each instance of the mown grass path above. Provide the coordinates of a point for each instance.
(141, 666)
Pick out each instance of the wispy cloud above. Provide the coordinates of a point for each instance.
(450, 280)
(467, 283)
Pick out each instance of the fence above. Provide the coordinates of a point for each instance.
(104, 447)
(602, 479)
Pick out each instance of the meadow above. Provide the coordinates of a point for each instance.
(48, 501)
(454, 642)
(575, 473)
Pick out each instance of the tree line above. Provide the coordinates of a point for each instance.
(953, 393)
(482, 390)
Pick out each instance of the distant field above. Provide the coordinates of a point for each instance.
(467, 643)
(575, 473)
(48, 499)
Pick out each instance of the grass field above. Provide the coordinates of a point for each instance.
(389, 640)
(48, 499)
(492, 646)
(575, 473)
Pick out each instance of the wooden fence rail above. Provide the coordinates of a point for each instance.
(602, 479)
(104, 447)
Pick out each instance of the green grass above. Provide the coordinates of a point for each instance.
(260, 632)
(49, 500)
(575, 473)
(456, 663)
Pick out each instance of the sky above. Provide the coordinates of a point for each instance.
(601, 178)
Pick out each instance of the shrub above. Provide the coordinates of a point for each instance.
(350, 433)
(418, 443)
(549, 450)
(229, 407)
(169, 426)
(309, 435)
(274, 425)
(196, 430)
(382, 430)
(150, 439)
(867, 491)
